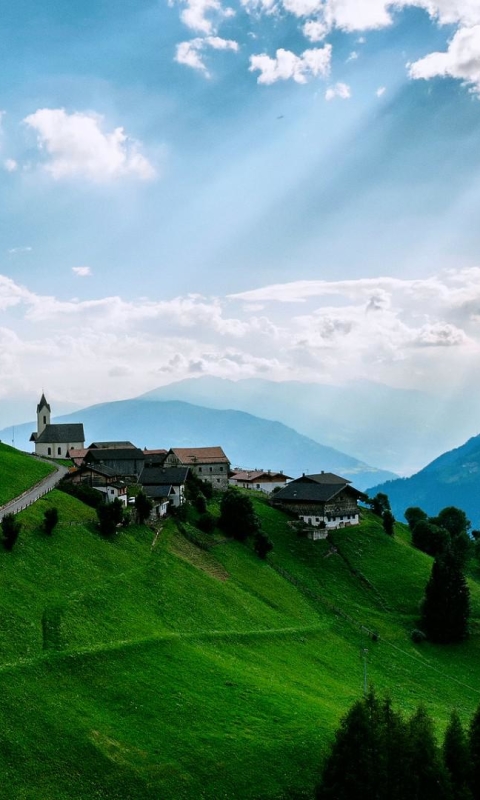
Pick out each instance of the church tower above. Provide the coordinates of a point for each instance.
(43, 415)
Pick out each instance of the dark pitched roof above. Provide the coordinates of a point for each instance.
(43, 404)
(111, 445)
(328, 478)
(59, 434)
(100, 469)
(161, 476)
(115, 454)
(250, 476)
(165, 490)
(312, 491)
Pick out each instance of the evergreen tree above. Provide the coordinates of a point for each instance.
(262, 544)
(50, 520)
(10, 530)
(143, 507)
(428, 779)
(106, 520)
(446, 606)
(474, 747)
(414, 514)
(456, 757)
(430, 538)
(395, 748)
(454, 520)
(388, 522)
(379, 504)
(237, 516)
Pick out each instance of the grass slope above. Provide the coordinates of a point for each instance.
(18, 472)
(146, 667)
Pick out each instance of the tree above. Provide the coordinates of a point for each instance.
(414, 514)
(454, 520)
(456, 757)
(262, 544)
(428, 780)
(388, 522)
(50, 520)
(379, 504)
(11, 528)
(237, 515)
(143, 507)
(474, 747)
(106, 519)
(430, 538)
(446, 605)
(117, 511)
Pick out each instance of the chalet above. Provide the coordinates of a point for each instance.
(127, 462)
(208, 463)
(259, 479)
(165, 484)
(55, 441)
(325, 501)
(102, 478)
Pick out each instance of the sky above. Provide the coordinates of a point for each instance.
(285, 189)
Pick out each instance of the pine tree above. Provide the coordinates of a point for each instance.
(456, 757)
(474, 746)
(10, 530)
(428, 780)
(446, 606)
(50, 520)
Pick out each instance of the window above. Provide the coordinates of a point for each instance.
(44, 420)
(211, 469)
(199, 469)
(49, 451)
(59, 451)
(221, 469)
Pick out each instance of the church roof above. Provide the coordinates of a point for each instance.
(43, 404)
(61, 434)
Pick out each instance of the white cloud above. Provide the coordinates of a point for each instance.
(75, 145)
(315, 31)
(341, 90)
(302, 8)
(353, 56)
(189, 53)
(18, 250)
(381, 91)
(10, 165)
(82, 272)
(358, 15)
(286, 65)
(198, 15)
(461, 60)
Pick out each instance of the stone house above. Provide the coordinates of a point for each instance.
(260, 480)
(207, 463)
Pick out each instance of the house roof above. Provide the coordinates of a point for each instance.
(155, 452)
(200, 455)
(116, 454)
(160, 476)
(155, 492)
(312, 491)
(100, 469)
(252, 476)
(111, 446)
(328, 478)
(60, 434)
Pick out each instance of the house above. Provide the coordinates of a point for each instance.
(164, 484)
(259, 479)
(208, 463)
(325, 501)
(127, 462)
(55, 441)
(102, 478)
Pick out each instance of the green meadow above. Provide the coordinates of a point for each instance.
(18, 472)
(146, 667)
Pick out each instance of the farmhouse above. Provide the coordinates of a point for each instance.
(208, 463)
(259, 479)
(55, 440)
(164, 484)
(102, 478)
(325, 501)
(127, 462)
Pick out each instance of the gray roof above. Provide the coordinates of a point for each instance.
(61, 434)
(116, 454)
(156, 492)
(311, 491)
(328, 478)
(163, 476)
(111, 446)
(100, 469)
(43, 404)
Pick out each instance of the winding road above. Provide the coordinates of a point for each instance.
(33, 494)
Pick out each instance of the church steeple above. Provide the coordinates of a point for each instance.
(43, 415)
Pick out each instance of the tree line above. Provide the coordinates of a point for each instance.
(377, 754)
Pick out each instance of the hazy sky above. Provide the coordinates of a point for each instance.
(281, 188)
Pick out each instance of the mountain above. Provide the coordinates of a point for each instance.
(400, 430)
(248, 441)
(453, 479)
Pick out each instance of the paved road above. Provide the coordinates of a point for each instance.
(16, 505)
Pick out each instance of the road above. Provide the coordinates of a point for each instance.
(26, 499)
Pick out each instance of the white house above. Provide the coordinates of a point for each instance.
(259, 479)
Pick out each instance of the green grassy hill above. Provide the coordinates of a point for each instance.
(18, 472)
(147, 668)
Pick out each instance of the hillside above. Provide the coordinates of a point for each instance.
(244, 437)
(150, 668)
(18, 472)
(453, 479)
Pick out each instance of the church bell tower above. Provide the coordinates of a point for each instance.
(43, 415)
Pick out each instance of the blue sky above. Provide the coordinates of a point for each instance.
(277, 188)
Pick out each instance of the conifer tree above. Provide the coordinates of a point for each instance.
(428, 779)
(456, 757)
(446, 606)
(474, 746)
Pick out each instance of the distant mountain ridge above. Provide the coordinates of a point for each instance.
(248, 441)
(453, 479)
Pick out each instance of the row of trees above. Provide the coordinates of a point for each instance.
(379, 755)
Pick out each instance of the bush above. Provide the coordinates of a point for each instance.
(200, 503)
(417, 636)
(82, 492)
(262, 544)
(10, 530)
(206, 522)
(50, 520)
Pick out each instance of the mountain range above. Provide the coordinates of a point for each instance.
(249, 441)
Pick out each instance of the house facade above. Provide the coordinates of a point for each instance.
(164, 484)
(260, 480)
(325, 501)
(207, 463)
(54, 441)
(127, 462)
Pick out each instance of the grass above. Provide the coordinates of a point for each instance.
(147, 667)
(18, 472)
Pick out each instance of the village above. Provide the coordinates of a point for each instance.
(322, 501)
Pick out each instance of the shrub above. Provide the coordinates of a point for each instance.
(10, 530)
(206, 522)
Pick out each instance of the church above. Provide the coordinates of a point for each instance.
(55, 441)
